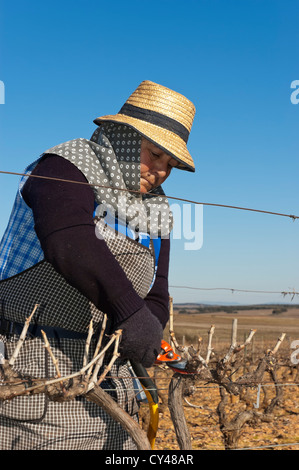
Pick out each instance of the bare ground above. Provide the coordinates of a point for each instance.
(200, 409)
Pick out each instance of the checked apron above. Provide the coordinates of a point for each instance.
(35, 422)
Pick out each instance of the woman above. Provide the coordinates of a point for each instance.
(89, 234)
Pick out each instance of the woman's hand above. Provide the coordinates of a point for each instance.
(141, 337)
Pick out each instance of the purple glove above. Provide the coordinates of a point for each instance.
(141, 337)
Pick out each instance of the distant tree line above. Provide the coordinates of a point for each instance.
(278, 311)
(197, 309)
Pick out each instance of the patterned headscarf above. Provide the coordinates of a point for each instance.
(111, 160)
(120, 155)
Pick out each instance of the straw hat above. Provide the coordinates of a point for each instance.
(160, 115)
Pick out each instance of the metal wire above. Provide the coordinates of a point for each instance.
(293, 293)
(294, 217)
(270, 446)
(207, 387)
(284, 293)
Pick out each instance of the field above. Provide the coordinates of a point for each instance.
(200, 408)
(268, 325)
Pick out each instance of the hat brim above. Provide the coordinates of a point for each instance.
(171, 143)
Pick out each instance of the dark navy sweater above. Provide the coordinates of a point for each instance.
(63, 216)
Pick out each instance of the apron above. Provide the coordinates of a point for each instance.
(28, 279)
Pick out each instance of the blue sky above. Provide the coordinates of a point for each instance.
(65, 63)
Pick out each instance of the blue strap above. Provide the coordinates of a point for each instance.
(157, 248)
(142, 238)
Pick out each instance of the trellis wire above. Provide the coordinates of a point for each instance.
(249, 385)
(269, 446)
(284, 293)
(294, 217)
(293, 293)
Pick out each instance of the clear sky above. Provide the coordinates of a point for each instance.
(63, 63)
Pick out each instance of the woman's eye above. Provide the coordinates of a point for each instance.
(156, 155)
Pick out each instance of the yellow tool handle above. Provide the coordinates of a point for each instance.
(154, 418)
(151, 393)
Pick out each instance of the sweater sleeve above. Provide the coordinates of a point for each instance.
(63, 217)
(157, 299)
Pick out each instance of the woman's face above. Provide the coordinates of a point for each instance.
(155, 166)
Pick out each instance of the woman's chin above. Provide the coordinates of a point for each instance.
(145, 188)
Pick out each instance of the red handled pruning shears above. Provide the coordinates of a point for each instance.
(167, 354)
(171, 359)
